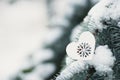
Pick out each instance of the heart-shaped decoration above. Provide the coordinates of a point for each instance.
(82, 49)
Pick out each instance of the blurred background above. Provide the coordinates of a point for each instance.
(34, 35)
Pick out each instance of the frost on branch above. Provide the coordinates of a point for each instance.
(100, 65)
(103, 21)
(71, 70)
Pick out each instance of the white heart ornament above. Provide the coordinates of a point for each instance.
(82, 49)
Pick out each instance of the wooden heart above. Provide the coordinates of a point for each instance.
(82, 49)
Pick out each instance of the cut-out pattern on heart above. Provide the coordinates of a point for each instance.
(83, 49)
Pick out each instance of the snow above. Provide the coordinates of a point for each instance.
(41, 70)
(73, 68)
(76, 33)
(69, 61)
(103, 59)
(47, 68)
(94, 1)
(64, 9)
(33, 76)
(38, 73)
(42, 55)
(53, 35)
(104, 10)
(22, 26)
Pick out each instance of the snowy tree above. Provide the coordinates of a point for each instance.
(103, 21)
(67, 20)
